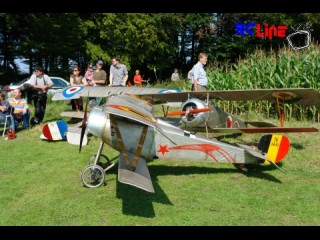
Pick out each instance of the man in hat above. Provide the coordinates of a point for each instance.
(118, 73)
(100, 75)
(175, 75)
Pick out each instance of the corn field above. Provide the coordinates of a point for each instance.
(286, 68)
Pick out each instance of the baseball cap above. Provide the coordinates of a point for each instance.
(100, 62)
(176, 69)
(89, 66)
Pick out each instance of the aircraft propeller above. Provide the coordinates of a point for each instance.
(188, 111)
(84, 124)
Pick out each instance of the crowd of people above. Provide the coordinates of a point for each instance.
(17, 108)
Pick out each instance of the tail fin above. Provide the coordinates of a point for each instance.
(275, 147)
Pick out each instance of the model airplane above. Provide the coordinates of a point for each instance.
(131, 128)
(196, 113)
(126, 123)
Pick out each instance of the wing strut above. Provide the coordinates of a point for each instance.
(123, 149)
(165, 113)
(280, 112)
(140, 145)
(131, 166)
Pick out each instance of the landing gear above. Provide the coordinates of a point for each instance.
(93, 176)
(103, 161)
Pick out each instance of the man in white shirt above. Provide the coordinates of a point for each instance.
(199, 75)
(41, 82)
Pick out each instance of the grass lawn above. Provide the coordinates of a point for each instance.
(40, 185)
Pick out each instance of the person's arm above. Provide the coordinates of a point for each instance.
(195, 78)
(110, 77)
(25, 107)
(124, 80)
(72, 81)
(48, 83)
(84, 81)
(178, 76)
(172, 76)
(5, 107)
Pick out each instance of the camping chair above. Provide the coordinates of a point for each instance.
(7, 119)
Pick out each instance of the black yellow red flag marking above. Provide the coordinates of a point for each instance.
(274, 146)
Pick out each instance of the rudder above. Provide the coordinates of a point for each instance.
(274, 146)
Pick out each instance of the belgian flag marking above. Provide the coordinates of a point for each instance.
(275, 146)
(278, 148)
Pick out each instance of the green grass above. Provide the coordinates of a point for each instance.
(40, 185)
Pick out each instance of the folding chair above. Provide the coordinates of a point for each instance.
(6, 122)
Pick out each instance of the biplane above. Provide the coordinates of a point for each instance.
(126, 122)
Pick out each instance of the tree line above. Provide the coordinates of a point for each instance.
(144, 41)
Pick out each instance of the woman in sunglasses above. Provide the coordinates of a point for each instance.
(76, 79)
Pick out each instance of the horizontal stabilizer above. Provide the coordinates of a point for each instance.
(73, 114)
(172, 104)
(278, 129)
(252, 151)
(140, 178)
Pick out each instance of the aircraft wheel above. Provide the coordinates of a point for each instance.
(103, 161)
(93, 176)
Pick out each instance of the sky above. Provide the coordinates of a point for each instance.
(23, 67)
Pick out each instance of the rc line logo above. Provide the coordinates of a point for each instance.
(269, 31)
(300, 39)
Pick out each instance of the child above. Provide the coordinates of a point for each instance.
(89, 76)
(137, 79)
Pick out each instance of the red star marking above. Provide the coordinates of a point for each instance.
(163, 149)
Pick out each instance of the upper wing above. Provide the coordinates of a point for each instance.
(303, 96)
(84, 91)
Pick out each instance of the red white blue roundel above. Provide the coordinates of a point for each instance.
(169, 91)
(71, 91)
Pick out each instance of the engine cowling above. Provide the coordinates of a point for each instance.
(195, 119)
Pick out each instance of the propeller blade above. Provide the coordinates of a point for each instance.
(190, 111)
(84, 124)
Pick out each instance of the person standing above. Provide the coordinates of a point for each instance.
(199, 76)
(100, 77)
(76, 79)
(175, 75)
(137, 79)
(118, 73)
(41, 82)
